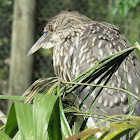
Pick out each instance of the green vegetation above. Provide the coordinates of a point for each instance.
(49, 115)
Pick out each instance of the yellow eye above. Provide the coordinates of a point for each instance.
(50, 28)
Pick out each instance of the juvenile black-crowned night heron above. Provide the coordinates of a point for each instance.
(78, 42)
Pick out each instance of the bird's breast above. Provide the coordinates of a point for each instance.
(63, 59)
(71, 57)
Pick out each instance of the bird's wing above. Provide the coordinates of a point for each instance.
(97, 42)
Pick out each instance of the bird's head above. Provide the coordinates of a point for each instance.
(62, 26)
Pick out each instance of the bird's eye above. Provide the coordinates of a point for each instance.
(50, 28)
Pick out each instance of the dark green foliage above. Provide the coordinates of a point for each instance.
(45, 119)
(11, 125)
(122, 7)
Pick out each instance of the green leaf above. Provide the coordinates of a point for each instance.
(4, 136)
(17, 136)
(103, 135)
(24, 115)
(137, 136)
(11, 125)
(42, 120)
(54, 128)
(43, 106)
(66, 131)
(116, 134)
(12, 97)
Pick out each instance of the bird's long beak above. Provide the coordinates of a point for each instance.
(39, 44)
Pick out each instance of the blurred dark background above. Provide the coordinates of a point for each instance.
(124, 14)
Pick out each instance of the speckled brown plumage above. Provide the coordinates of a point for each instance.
(78, 42)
